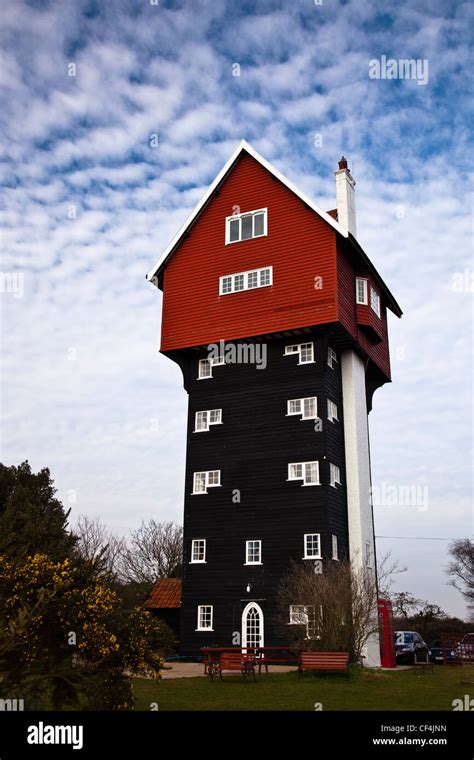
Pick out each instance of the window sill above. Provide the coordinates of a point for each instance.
(204, 430)
(313, 558)
(205, 378)
(246, 240)
(296, 480)
(252, 564)
(301, 419)
(244, 290)
(198, 562)
(204, 630)
(199, 493)
(301, 364)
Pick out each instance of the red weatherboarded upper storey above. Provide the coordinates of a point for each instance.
(314, 269)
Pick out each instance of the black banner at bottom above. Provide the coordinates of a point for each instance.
(377, 734)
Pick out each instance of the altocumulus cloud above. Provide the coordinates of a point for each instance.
(89, 204)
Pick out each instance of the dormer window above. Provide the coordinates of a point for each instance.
(246, 226)
(362, 295)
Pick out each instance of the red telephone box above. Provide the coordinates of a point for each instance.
(387, 643)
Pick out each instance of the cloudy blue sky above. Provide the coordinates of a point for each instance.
(89, 204)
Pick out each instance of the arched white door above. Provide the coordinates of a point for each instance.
(252, 626)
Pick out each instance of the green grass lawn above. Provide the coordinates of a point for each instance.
(365, 690)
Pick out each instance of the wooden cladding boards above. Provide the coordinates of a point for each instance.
(313, 273)
(300, 246)
(252, 449)
(377, 352)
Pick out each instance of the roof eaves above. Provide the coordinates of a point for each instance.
(391, 302)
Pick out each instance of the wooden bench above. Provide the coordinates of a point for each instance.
(245, 663)
(338, 661)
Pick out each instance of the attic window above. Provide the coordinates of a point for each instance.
(246, 226)
(256, 278)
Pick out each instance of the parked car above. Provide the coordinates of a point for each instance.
(436, 654)
(408, 646)
(465, 648)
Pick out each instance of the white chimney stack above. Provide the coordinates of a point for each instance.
(345, 197)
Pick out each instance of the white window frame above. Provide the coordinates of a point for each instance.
(211, 362)
(334, 475)
(193, 543)
(239, 217)
(296, 348)
(301, 410)
(332, 357)
(290, 401)
(245, 275)
(207, 484)
(365, 300)
(332, 411)
(303, 614)
(216, 412)
(206, 416)
(298, 614)
(312, 556)
(304, 471)
(334, 547)
(247, 548)
(204, 363)
(374, 301)
(199, 617)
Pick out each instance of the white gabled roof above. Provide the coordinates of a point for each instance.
(242, 146)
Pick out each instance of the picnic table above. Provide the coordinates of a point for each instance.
(262, 656)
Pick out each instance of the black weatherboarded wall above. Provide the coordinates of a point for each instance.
(252, 449)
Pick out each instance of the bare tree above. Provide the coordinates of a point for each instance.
(153, 551)
(405, 605)
(387, 568)
(329, 611)
(98, 546)
(461, 569)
